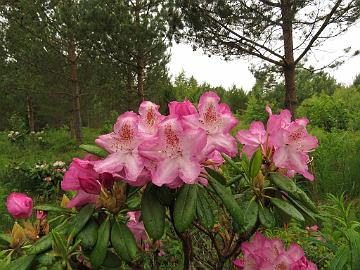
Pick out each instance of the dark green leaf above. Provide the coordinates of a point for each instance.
(266, 217)
(283, 182)
(98, 254)
(152, 213)
(123, 241)
(22, 263)
(51, 208)
(250, 215)
(255, 163)
(204, 210)
(228, 199)
(215, 174)
(185, 207)
(287, 208)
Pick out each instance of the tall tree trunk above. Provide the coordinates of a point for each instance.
(75, 90)
(30, 113)
(289, 65)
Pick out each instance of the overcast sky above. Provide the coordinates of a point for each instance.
(218, 72)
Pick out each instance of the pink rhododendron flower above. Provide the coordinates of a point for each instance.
(137, 228)
(285, 142)
(150, 117)
(122, 144)
(176, 152)
(291, 147)
(82, 177)
(217, 120)
(19, 205)
(270, 254)
(182, 108)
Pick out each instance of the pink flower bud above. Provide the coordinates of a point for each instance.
(90, 185)
(19, 205)
(41, 214)
(182, 108)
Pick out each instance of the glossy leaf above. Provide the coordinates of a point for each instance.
(283, 182)
(266, 217)
(88, 236)
(152, 213)
(204, 211)
(185, 207)
(250, 215)
(22, 263)
(98, 254)
(287, 208)
(123, 241)
(216, 175)
(228, 200)
(255, 163)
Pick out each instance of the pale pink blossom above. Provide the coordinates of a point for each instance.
(217, 120)
(41, 214)
(175, 151)
(150, 117)
(122, 144)
(19, 205)
(270, 254)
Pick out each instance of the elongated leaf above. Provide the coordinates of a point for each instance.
(287, 208)
(152, 213)
(88, 235)
(341, 258)
(59, 245)
(228, 200)
(111, 260)
(255, 163)
(218, 176)
(354, 239)
(98, 254)
(41, 245)
(185, 207)
(94, 149)
(22, 263)
(81, 219)
(266, 217)
(232, 163)
(298, 204)
(123, 241)
(204, 211)
(250, 215)
(51, 208)
(301, 195)
(283, 182)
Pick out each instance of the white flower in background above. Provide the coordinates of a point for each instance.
(59, 163)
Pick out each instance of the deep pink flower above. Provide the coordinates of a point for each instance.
(122, 144)
(182, 108)
(137, 227)
(175, 151)
(19, 205)
(82, 177)
(217, 120)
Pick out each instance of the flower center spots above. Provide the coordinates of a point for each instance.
(150, 117)
(172, 141)
(281, 266)
(297, 134)
(210, 116)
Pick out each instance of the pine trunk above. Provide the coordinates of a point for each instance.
(30, 113)
(75, 91)
(289, 65)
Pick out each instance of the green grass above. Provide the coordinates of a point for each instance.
(58, 146)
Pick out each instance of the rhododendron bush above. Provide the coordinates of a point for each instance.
(155, 175)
